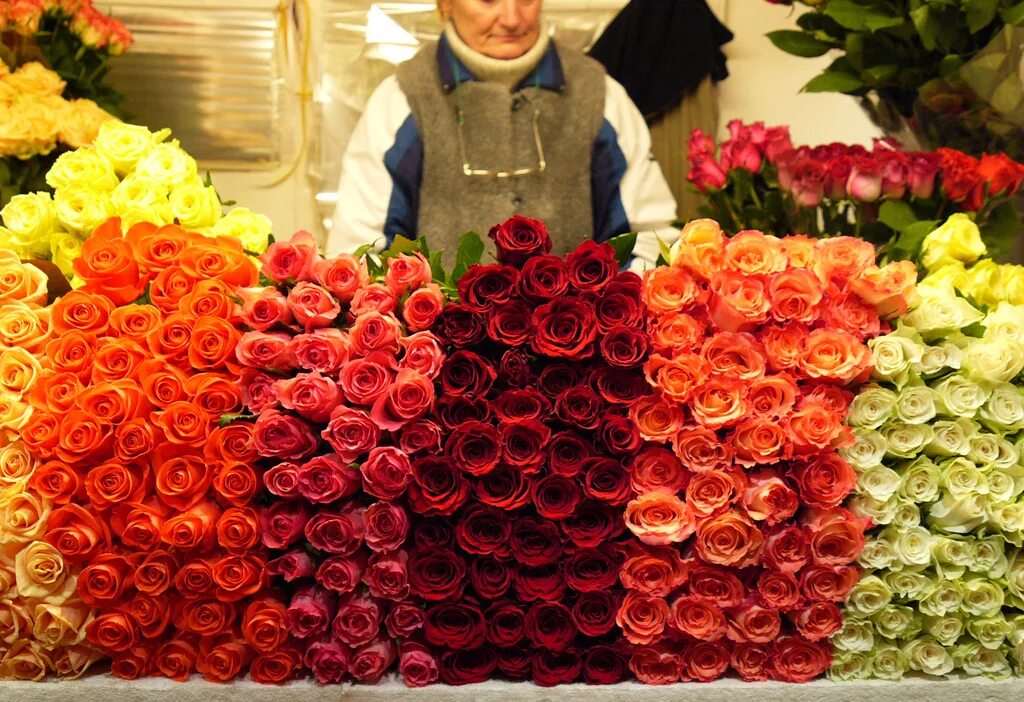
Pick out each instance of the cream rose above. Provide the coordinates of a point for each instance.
(42, 574)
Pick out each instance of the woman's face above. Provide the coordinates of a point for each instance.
(501, 29)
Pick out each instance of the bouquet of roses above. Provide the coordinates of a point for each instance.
(754, 339)
(886, 195)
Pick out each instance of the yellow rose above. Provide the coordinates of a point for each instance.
(17, 464)
(1011, 284)
(71, 661)
(124, 144)
(981, 282)
(19, 370)
(7, 582)
(699, 240)
(41, 574)
(949, 274)
(17, 136)
(9, 243)
(81, 209)
(136, 192)
(194, 205)
(61, 625)
(14, 412)
(24, 326)
(167, 163)
(30, 218)
(23, 517)
(45, 113)
(957, 239)
(251, 228)
(35, 78)
(26, 660)
(82, 167)
(15, 622)
(82, 121)
(20, 281)
(65, 248)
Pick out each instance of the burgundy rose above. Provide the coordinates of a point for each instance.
(518, 239)
(556, 496)
(467, 373)
(490, 577)
(475, 447)
(603, 665)
(457, 625)
(624, 347)
(341, 574)
(419, 436)
(719, 585)
(566, 453)
(410, 397)
(514, 369)
(482, 287)
(545, 583)
(594, 613)
(386, 526)
(535, 542)
(504, 487)
(417, 665)
(438, 487)
(371, 662)
(592, 524)
(517, 405)
(506, 624)
(549, 625)
(358, 620)
(280, 435)
(614, 309)
(339, 533)
(459, 326)
(403, 620)
(544, 278)
(283, 480)
(515, 663)
(386, 473)
(309, 613)
(579, 406)
(483, 531)
(564, 328)
(326, 478)
(454, 410)
(468, 667)
(620, 386)
(292, 565)
(556, 378)
(523, 443)
(591, 266)
(590, 569)
(552, 668)
(329, 661)
(281, 523)
(386, 576)
(351, 433)
(437, 574)
(510, 323)
(619, 435)
(606, 480)
(431, 533)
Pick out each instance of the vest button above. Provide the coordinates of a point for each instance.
(517, 200)
(517, 102)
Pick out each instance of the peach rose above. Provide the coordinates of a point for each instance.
(658, 519)
(848, 312)
(17, 465)
(813, 428)
(656, 469)
(41, 574)
(841, 259)
(759, 440)
(677, 333)
(61, 625)
(751, 252)
(669, 289)
(784, 345)
(700, 248)
(837, 536)
(654, 571)
(729, 539)
(700, 450)
(642, 618)
(891, 290)
(795, 295)
(772, 396)
(71, 662)
(734, 355)
(739, 302)
(834, 355)
(676, 377)
(22, 517)
(719, 402)
(799, 250)
(343, 275)
(656, 418)
(24, 326)
(696, 617)
(407, 272)
(711, 491)
(19, 281)
(26, 659)
(767, 497)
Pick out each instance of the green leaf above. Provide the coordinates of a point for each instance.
(861, 17)
(881, 74)
(1014, 15)
(374, 266)
(470, 251)
(664, 251)
(833, 82)
(908, 244)
(363, 250)
(623, 245)
(226, 419)
(437, 266)
(980, 14)
(1001, 229)
(897, 214)
(401, 245)
(798, 43)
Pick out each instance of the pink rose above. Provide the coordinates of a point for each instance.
(387, 576)
(404, 619)
(312, 306)
(339, 533)
(386, 473)
(422, 307)
(325, 479)
(265, 351)
(309, 613)
(407, 272)
(312, 395)
(410, 397)
(358, 620)
(325, 350)
(374, 298)
(280, 435)
(283, 480)
(292, 565)
(387, 525)
(365, 379)
(423, 353)
(343, 275)
(374, 331)
(341, 574)
(370, 662)
(282, 523)
(417, 665)
(421, 435)
(258, 392)
(329, 661)
(291, 260)
(262, 308)
(351, 433)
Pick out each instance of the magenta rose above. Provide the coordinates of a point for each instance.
(549, 625)
(370, 662)
(422, 308)
(535, 542)
(266, 351)
(311, 395)
(342, 574)
(264, 308)
(460, 326)
(523, 443)
(518, 239)
(386, 525)
(351, 433)
(591, 569)
(312, 306)
(506, 624)
(280, 435)
(292, 566)
(437, 574)
(566, 453)
(410, 397)
(467, 373)
(483, 531)
(482, 287)
(419, 436)
(510, 323)
(283, 480)
(329, 661)
(292, 260)
(309, 613)
(417, 665)
(544, 278)
(456, 625)
(365, 379)
(624, 347)
(504, 487)
(475, 447)
(564, 328)
(342, 275)
(490, 577)
(387, 576)
(438, 487)
(517, 405)
(386, 473)
(403, 620)
(423, 353)
(323, 350)
(339, 533)
(281, 523)
(358, 620)
(375, 297)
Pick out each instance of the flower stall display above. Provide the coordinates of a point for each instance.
(885, 195)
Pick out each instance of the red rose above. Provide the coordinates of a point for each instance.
(504, 487)
(292, 566)
(698, 618)
(275, 667)
(341, 574)
(618, 309)
(283, 480)
(1004, 175)
(619, 386)
(752, 661)
(817, 620)
(556, 496)
(624, 346)
(754, 623)
(309, 613)
(549, 625)
(281, 523)
(787, 549)
(483, 287)
(506, 624)
(457, 625)
(656, 665)
(484, 531)
(603, 665)
(592, 524)
(404, 619)
(460, 326)
(515, 663)
(490, 577)
(797, 660)
(544, 278)
(579, 406)
(517, 405)
(588, 570)
(594, 613)
(420, 435)
(535, 542)
(514, 368)
(510, 323)
(828, 583)
(370, 662)
(564, 328)
(358, 620)
(326, 478)
(523, 443)
(468, 667)
(195, 579)
(719, 585)
(475, 447)
(518, 239)
(467, 373)
(387, 576)
(544, 583)
(566, 453)
(704, 661)
(386, 525)
(606, 480)
(556, 378)
(280, 435)
(339, 533)
(351, 433)
(961, 180)
(778, 590)
(417, 665)
(365, 379)
(456, 410)
(823, 481)
(434, 532)
(619, 435)
(438, 487)
(591, 266)
(552, 668)
(329, 661)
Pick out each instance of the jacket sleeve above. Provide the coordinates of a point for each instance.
(378, 196)
(629, 191)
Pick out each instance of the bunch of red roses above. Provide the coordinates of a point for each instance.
(519, 569)
(339, 369)
(154, 501)
(754, 339)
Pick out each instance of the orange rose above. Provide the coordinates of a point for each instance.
(823, 481)
(108, 267)
(156, 572)
(642, 618)
(163, 384)
(82, 311)
(784, 345)
(734, 355)
(215, 394)
(210, 298)
(138, 525)
(700, 247)
(134, 439)
(677, 332)
(751, 252)
(754, 623)
(157, 248)
(116, 359)
(169, 288)
(114, 402)
(739, 301)
(729, 539)
(223, 259)
(841, 259)
(105, 580)
(769, 498)
(656, 418)
(232, 444)
(890, 290)
(713, 490)
(849, 313)
(171, 339)
(676, 377)
(719, 402)
(699, 449)
(696, 617)
(109, 484)
(813, 428)
(135, 321)
(213, 344)
(834, 355)
(57, 482)
(77, 533)
(264, 624)
(837, 536)
(152, 614)
(238, 530)
(759, 440)
(205, 617)
(176, 659)
(795, 295)
(223, 658)
(41, 433)
(657, 469)
(669, 289)
(195, 579)
(659, 518)
(235, 482)
(113, 631)
(133, 663)
(55, 392)
(656, 572)
(832, 397)
(182, 479)
(192, 530)
(182, 423)
(83, 437)
(772, 396)
(72, 352)
(237, 577)
(276, 667)
(25, 327)
(799, 250)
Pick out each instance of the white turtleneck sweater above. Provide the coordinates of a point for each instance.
(509, 72)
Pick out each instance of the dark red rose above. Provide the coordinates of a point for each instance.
(458, 625)
(606, 480)
(341, 574)
(387, 575)
(419, 436)
(475, 447)
(454, 410)
(468, 667)
(417, 665)
(438, 487)
(626, 282)
(787, 548)
(535, 542)
(556, 496)
(482, 286)
(624, 347)
(281, 523)
(619, 435)
(603, 665)
(358, 620)
(329, 661)
(431, 533)
(519, 239)
(591, 569)
(797, 660)
(283, 480)
(340, 533)
(820, 583)
(370, 662)
(564, 328)
(459, 326)
(327, 478)
(567, 453)
(484, 531)
(515, 663)
(467, 373)
(549, 625)
(591, 266)
(310, 611)
(579, 406)
(620, 386)
(545, 583)
(491, 578)
(386, 473)
(514, 369)
(705, 661)
(817, 620)
(523, 443)
(437, 574)
(504, 487)
(404, 619)
(517, 405)
(594, 613)
(778, 590)
(752, 661)
(506, 624)
(510, 323)
(592, 524)
(292, 565)
(719, 585)
(614, 308)
(552, 668)
(544, 278)
(556, 378)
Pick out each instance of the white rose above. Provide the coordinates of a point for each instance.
(879, 482)
(920, 480)
(928, 656)
(847, 666)
(872, 407)
(962, 478)
(1005, 321)
(960, 397)
(893, 355)
(1008, 517)
(944, 597)
(82, 168)
(997, 360)
(1002, 486)
(916, 405)
(910, 583)
(81, 209)
(878, 554)
(989, 556)
(907, 514)
(866, 451)
(994, 450)
(957, 515)
(952, 437)
(167, 163)
(251, 228)
(906, 440)
(982, 598)
(1004, 410)
(868, 596)
(855, 636)
(940, 311)
(938, 358)
(889, 663)
(946, 629)
(913, 545)
(896, 622)
(879, 512)
(194, 205)
(976, 659)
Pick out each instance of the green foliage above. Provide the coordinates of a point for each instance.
(470, 251)
(25, 176)
(623, 245)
